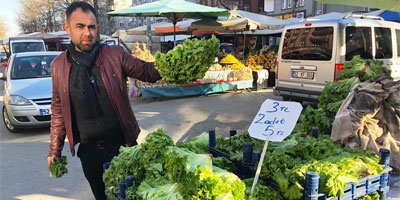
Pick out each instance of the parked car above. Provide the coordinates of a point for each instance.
(27, 90)
(3, 56)
(227, 47)
(110, 41)
(311, 53)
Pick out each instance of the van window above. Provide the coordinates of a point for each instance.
(398, 42)
(383, 43)
(19, 47)
(314, 43)
(358, 42)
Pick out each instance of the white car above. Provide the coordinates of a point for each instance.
(27, 90)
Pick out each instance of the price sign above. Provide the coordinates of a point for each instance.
(275, 120)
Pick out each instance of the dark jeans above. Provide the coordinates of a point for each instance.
(92, 156)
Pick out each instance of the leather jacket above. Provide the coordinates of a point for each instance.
(115, 65)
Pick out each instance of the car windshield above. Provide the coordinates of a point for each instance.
(314, 43)
(227, 49)
(32, 67)
(19, 47)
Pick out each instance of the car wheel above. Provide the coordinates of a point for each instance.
(7, 122)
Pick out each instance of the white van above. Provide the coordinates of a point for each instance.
(25, 45)
(311, 53)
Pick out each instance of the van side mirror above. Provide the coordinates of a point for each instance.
(2, 77)
(4, 64)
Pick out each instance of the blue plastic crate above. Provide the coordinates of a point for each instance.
(129, 181)
(246, 168)
(367, 185)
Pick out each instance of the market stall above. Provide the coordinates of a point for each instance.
(305, 164)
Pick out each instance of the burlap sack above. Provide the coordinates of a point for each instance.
(369, 118)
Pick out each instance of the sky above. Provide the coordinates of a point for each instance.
(9, 11)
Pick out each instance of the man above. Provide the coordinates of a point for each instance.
(90, 104)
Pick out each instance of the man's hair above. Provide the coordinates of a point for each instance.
(79, 4)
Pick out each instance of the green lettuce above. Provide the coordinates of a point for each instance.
(198, 144)
(152, 156)
(158, 189)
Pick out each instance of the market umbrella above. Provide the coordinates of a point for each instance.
(174, 10)
(210, 24)
(393, 5)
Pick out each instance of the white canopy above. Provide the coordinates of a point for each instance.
(263, 21)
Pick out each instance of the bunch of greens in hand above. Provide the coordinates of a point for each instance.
(58, 169)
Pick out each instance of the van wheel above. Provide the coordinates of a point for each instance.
(7, 122)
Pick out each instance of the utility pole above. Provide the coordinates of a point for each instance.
(148, 23)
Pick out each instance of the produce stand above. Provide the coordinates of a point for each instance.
(194, 89)
(366, 185)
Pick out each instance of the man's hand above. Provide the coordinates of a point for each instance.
(49, 160)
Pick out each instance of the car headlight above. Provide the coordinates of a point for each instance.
(18, 101)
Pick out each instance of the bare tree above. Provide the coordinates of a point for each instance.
(106, 23)
(48, 15)
(40, 15)
(3, 29)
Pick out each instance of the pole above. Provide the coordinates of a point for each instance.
(174, 20)
(260, 163)
(148, 22)
(244, 43)
(149, 42)
(234, 44)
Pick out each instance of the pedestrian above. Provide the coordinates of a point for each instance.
(90, 103)
(170, 45)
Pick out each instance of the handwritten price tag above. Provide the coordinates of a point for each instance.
(275, 119)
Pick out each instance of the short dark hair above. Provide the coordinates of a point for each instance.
(80, 4)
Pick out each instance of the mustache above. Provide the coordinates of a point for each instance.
(89, 38)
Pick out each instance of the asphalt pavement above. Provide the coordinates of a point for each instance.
(23, 166)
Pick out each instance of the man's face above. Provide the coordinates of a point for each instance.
(83, 29)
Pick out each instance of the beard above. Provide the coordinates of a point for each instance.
(85, 47)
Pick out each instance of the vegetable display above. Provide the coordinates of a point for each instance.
(330, 101)
(229, 59)
(287, 162)
(162, 170)
(334, 93)
(363, 69)
(188, 62)
(58, 169)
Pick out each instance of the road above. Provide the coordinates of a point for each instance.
(23, 167)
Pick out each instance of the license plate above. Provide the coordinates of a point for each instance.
(303, 74)
(45, 111)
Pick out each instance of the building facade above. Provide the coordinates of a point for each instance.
(255, 6)
(282, 9)
(285, 9)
